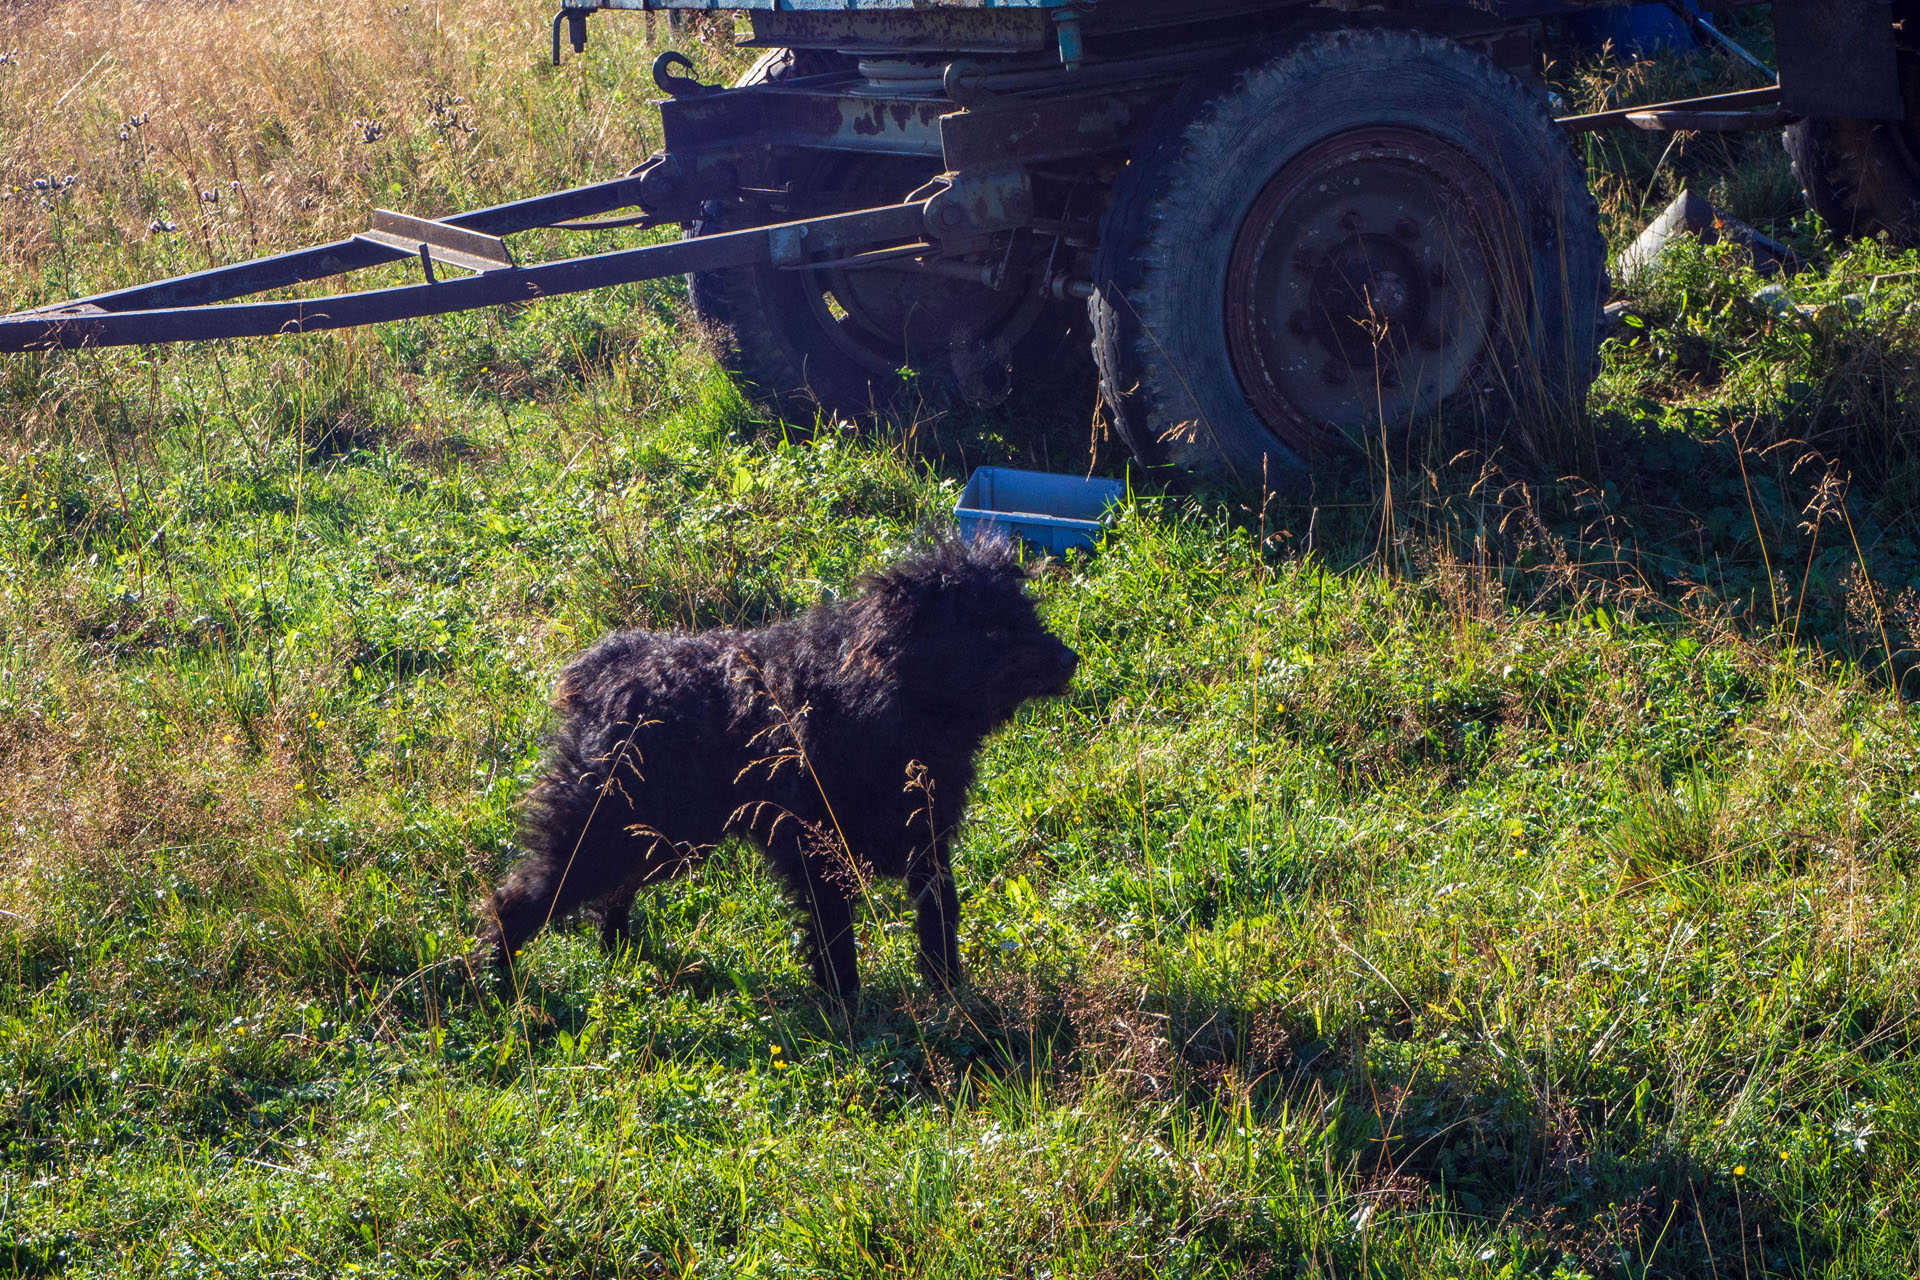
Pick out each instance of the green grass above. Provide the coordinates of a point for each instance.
(1513, 880)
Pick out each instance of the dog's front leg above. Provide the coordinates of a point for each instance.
(936, 917)
(830, 949)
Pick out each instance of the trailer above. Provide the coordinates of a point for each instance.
(1274, 224)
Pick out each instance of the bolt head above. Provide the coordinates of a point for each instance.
(1335, 373)
(1297, 322)
(1407, 229)
(1352, 221)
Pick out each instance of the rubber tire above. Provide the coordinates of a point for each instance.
(747, 306)
(773, 341)
(1158, 308)
(1863, 176)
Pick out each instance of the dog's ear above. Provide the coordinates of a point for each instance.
(932, 591)
(930, 603)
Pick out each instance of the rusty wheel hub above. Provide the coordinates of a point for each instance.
(885, 318)
(1367, 283)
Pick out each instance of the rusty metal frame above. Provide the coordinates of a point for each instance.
(281, 270)
(782, 116)
(1838, 59)
(1030, 131)
(129, 317)
(1714, 103)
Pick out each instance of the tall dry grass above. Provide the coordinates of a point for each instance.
(171, 135)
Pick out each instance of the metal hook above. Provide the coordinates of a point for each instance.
(576, 20)
(677, 86)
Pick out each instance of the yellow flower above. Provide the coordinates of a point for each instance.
(1739, 1171)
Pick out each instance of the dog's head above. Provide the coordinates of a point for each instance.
(964, 634)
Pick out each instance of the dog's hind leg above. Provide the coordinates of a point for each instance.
(616, 917)
(831, 949)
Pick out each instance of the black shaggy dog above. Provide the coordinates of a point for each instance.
(841, 742)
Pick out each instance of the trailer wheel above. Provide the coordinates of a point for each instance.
(1341, 239)
(854, 341)
(1863, 176)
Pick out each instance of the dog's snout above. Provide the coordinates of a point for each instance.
(1069, 660)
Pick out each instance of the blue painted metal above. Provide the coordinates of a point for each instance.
(1634, 32)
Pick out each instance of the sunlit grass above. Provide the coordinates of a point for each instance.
(1528, 892)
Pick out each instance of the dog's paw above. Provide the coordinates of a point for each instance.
(949, 982)
(840, 1006)
(619, 935)
(490, 954)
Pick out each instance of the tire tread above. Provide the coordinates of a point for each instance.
(1196, 135)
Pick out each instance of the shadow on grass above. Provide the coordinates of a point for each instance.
(1684, 517)
(1577, 1184)
(1405, 1122)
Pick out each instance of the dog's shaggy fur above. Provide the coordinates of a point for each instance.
(840, 742)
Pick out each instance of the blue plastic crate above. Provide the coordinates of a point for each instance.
(1050, 512)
